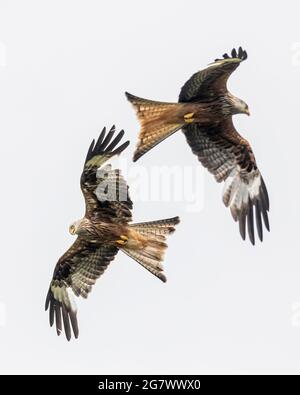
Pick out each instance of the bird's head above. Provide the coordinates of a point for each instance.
(238, 105)
(242, 107)
(74, 228)
(245, 108)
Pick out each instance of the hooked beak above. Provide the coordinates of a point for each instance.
(247, 112)
(72, 230)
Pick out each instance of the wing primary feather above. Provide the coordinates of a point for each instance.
(242, 224)
(100, 140)
(102, 134)
(115, 141)
(66, 322)
(250, 224)
(51, 313)
(265, 193)
(233, 53)
(266, 219)
(263, 202)
(226, 56)
(90, 151)
(241, 53)
(258, 220)
(245, 56)
(113, 128)
(104, 145)
(108, 138)
(48, 298)
(74, 323)
(118, 150)
(58, 318)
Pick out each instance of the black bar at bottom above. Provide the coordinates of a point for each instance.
(144, 383)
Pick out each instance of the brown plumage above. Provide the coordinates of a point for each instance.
(204, 113)
(101, 233)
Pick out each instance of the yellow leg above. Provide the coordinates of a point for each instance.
(188, 118)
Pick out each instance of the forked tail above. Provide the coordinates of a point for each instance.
(156, 122)
(147, 244)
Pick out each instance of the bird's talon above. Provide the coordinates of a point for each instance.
(123, 240)
(188, 118)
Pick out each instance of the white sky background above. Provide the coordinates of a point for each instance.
(227, 307)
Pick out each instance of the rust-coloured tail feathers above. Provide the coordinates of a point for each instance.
(157, 122)
(147, 244)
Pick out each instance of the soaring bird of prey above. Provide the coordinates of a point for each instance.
(101, 233)
(204, 113)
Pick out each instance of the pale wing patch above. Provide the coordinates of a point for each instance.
(62, 309)
(65, 295)
(242, 191)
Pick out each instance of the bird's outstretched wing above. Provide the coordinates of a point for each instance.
(75, 273)
(229, 157)
(104, 189)
(208, 83)
(106, 198)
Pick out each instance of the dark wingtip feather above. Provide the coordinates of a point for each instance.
(250, 224)
(265, 194)
(58, 317)
(66, 321)
(120, 149)
(107, 139)
(116, 140)
(265, 204)
(48, 298)
(90, 151)
(74, 323)
(99, 141)
(60, 314)
(266, 220)
(51, 314)
(105, 144)
(242, 224)
(101, 136)
(240, 53)
(235, 54)
(258, 220)
(261, 203)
